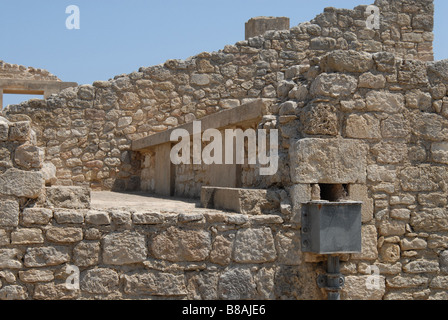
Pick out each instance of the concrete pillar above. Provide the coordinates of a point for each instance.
(259, 25)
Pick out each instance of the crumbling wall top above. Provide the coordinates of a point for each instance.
(19, 72)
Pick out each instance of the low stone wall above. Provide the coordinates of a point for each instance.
(120, 254)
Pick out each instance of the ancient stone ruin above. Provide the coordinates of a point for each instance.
(361, 115)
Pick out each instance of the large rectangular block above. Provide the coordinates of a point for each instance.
(68, 197)
(331, 161)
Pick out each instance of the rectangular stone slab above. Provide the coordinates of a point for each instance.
(332, 161)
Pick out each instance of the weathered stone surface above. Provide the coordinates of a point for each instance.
(20, 131)
(364, 126)
(395, 126)
(29, 157)
(97, 217)
(443, 260)
(64, 216)
(51, 291)
(392, 228)
(356, 288)
(181, 245)
(203, 286)
(13, 292)
(414, 244)
(64, 235)
(236, 284)
(49, 173)
(430, 220)
(86, 254)
(390, 152)
(147, 218)
(288, 248)
(423, 178)
(348, 61)
(407, 282)
(4, 238)
(99, 281)
(27, 236)
(155, 283)
(439, 282)
(41, 216)
(36, 275)
(46, 256)
(121, 248)
(254, 246)
(333, 85)
(328, 161)
(10, 259)
(369, 80)
(421, 266)
(221, 252)
(9, 213)
(320, 119)
(68, 197)
(439, 152)
(28, 184)
(383, 101)
(390, 253)
(438, 70)
(4, 129)
(369, 244)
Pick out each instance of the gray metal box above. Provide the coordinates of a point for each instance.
(331, 227)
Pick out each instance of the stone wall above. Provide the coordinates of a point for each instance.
(87, 131)
(14, 71)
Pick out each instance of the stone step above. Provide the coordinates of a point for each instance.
(240, 200)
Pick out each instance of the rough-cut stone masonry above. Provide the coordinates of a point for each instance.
(14, 71)
(87, 131)
(354, 107)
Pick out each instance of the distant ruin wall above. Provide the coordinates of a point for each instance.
(87, 131)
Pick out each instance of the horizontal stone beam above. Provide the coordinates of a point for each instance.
(247, 113)
(12, 86)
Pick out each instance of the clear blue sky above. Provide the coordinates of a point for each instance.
(118, 36)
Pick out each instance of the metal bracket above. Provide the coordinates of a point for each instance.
(333, 281)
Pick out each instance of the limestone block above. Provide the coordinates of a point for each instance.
(68, 197)
(363, 126)
(359, 192)
(390, 252)
(69, 216)
(438, 70)
(369, 244)
(390, 152)
(439, 152)
(236, 284)
(98, 218)
(333, 85)
(414, 244)
(147, 218)
(155, 283)
(200, 79)
(36, 275)
(86, 254)
(383, 101)
(423, 178)
(221, 250)
(320, 119)
(356, 288)
(28, 184)
(13, 292)
(289, 248)
(400, 282)
(421, 266)
(9, 213)
(49, 173)
(176, 244)
(64, 235)
(52, 291)
(121, 248)
(333, 161)
(99, 281)
(27, 236)
(430, 220)
(392, 228)
(20, 131)
(433, 200)
(4, 238)
(254, 246)
(46, 256)
(348, 61)
(369, 80)
(4, 129)
(10, 259)
(29, 157)
(322, 43)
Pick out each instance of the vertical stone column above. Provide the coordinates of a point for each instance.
(1, 99)
(164, 174)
